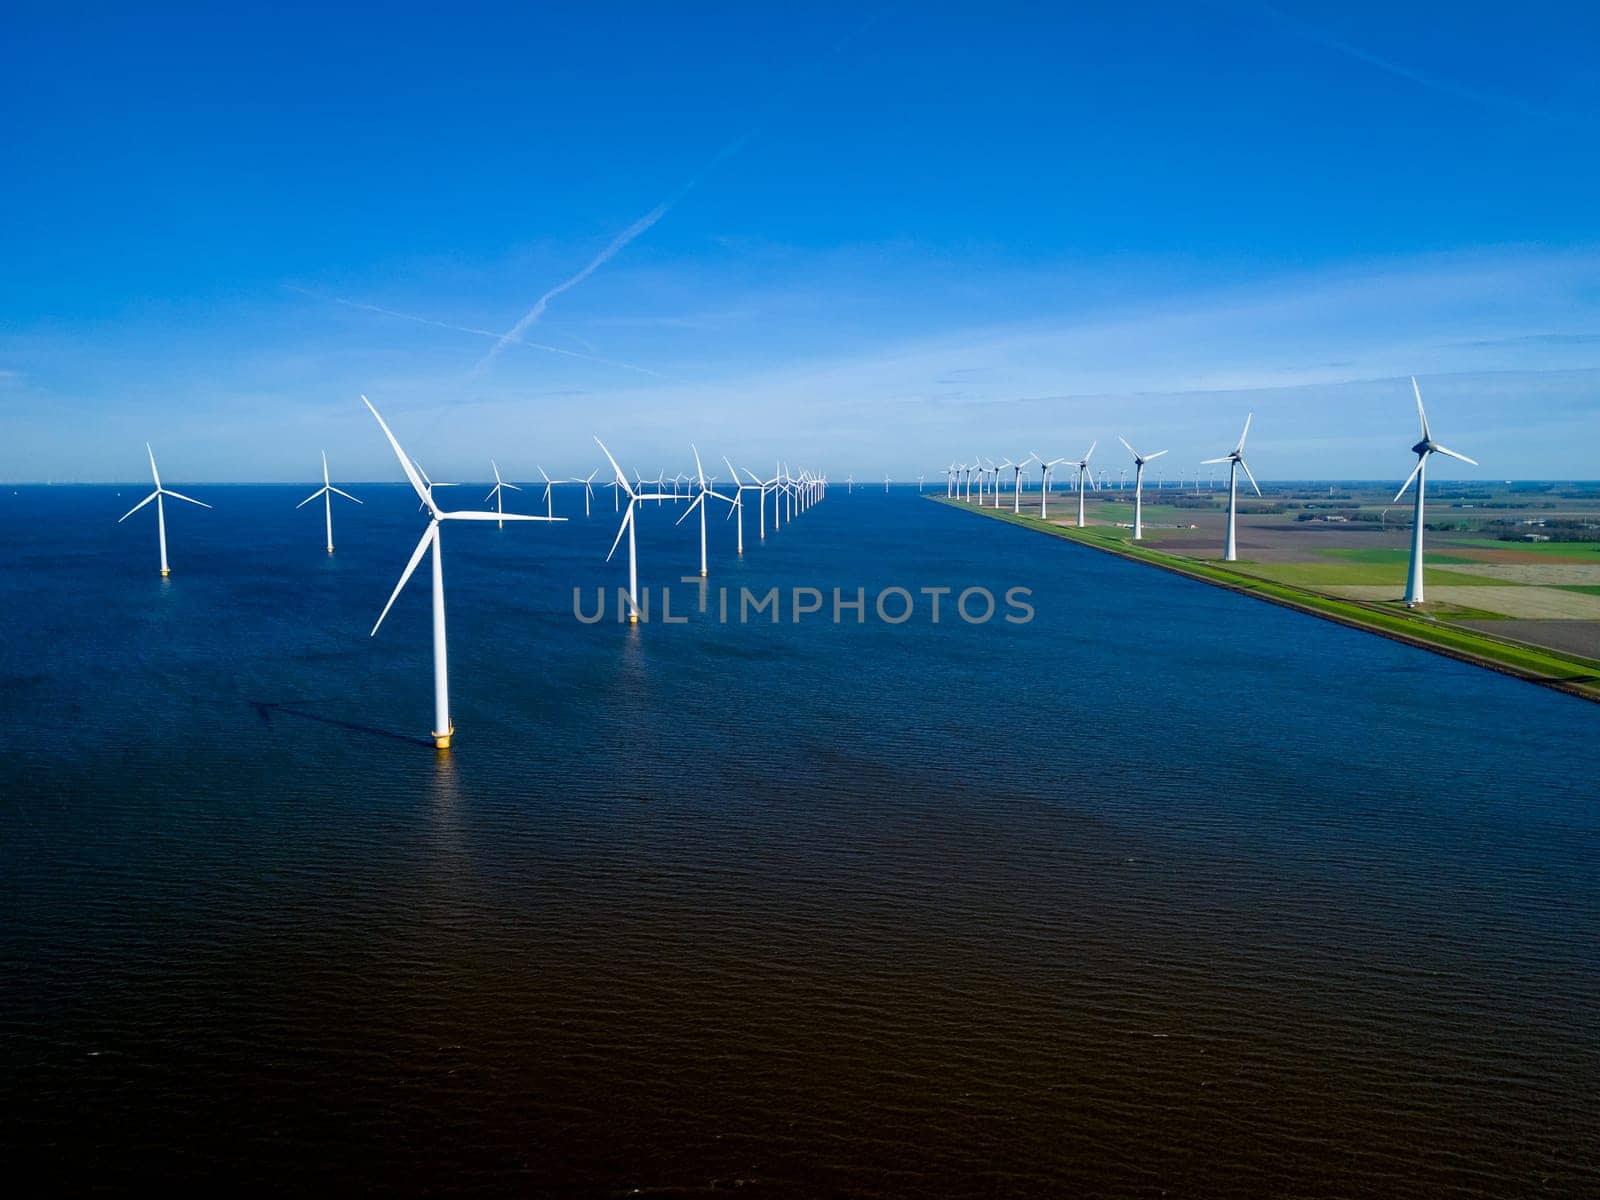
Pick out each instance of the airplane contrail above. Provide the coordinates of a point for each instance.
(613, 248)
(1432, 83)
(483, 333)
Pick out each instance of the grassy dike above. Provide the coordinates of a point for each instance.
(1577, 676)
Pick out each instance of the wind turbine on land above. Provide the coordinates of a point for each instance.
(1235, 460)
(1139, 462)
(496, 492)
(1083, 471)
(628, 524)
(443, 728)
(326, 492)
(1419, 473)
(1016, 486)
(161, 514)
(1045, 467)
(699, 502)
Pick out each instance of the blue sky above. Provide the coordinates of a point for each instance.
(865, 239)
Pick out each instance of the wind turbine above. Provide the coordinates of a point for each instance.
(549, 508)
(628, 524)
(1083, 470)
(1235, 460)
(700, 502)
(1045, 467)
(325, 491)
(161, 515)
(443, 728)
(885, 484)
(1419, 473)
(1139, 462)
(739, 489)
(1016, 486)
(495, 493)
(588, 489)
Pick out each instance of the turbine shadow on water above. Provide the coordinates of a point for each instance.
(296, 708)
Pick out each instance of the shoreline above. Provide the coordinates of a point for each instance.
(1535, 664)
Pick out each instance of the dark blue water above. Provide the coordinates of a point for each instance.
(1167, 891)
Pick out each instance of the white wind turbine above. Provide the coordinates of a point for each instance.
(1235, 460)
(588, 489)
(700, 502)
(628, 524)
(161, 515)
(739, 489)
(1084, 472)
(326, 492)
(1139, 462)
(443, 727)
(1017, 469)
(1419, 473)
(920, 479)
(886, 484)
(1046, 465)
(495, 493)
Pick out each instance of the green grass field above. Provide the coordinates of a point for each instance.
(1570, 673)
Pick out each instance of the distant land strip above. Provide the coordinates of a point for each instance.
(1565, 673)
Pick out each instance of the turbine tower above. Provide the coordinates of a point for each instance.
(1419, 473)
(443, 728)
(161, 515)
(1235, 460)
(1139, 462)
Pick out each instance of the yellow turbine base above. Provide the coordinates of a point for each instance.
(441, 741)
(633, 618)
(702, 574)
(165, 572)
(330, 549)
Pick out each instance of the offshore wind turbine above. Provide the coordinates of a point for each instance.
(628, 524)
(1422, 449)
(443, 727)
(739, 489)
(886, 484)
(1235, 460)
(588, 488)
(700, 502)
(161, 515)
(495, 493)
(1139, 462)
(326, 492)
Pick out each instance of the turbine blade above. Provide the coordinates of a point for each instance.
(698, 469)
(325, 480)
(346, 495)
(1153, 457)
(495, 467)
(428, 534)
(154, 474)
(405, 463)
(1124, 441)
(1249, 476)
(510, 487)
(700, 499)
(472, 514)
(1409, 478)
(1206, 462)
(622, 528)
(181, 496)
(626, 486)
(137, 507)
(311, 497)
(1239, 449)
(1426, 436)
(1454, 454)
